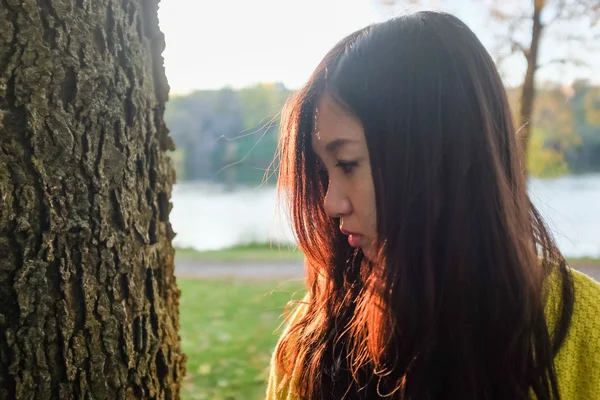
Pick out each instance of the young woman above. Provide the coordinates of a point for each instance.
(430, 273)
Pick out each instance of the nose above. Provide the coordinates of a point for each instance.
(337, 204)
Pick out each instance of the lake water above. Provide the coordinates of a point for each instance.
(208, 216)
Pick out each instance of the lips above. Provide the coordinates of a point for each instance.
(354, 239)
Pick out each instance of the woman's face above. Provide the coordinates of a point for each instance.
(339, 142)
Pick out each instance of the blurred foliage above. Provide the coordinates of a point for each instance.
(566, 133)
(226, 135)
(542, 161)
(592, 106)
(178, 159)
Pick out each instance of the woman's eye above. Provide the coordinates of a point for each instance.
(346, 166)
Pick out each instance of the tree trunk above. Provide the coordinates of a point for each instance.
(88, 300)
(528, 91)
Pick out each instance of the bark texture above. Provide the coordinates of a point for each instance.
(88, 299)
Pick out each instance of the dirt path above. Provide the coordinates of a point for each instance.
(279, 270)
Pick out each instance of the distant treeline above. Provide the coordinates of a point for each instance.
(566, 129)
(226, 135)
(230, 135)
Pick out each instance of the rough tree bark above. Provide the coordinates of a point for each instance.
(88, 300)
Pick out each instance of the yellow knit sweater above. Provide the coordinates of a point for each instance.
(577, 362)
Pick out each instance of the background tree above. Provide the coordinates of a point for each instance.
(571, 26)
(89, 304)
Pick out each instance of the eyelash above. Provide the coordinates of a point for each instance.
(347, 166)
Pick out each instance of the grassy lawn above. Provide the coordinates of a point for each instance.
(248, 252)
(228, 331)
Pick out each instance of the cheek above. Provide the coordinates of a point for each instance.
(371, 210)
(366, 208)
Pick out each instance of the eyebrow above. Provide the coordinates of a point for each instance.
(334, 145)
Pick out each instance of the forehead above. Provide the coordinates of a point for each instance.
(333, 122)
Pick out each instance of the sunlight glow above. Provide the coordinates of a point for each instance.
(236, 43)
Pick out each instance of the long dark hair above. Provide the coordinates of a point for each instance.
(453, 306)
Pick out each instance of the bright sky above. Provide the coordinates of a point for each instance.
(216, 43)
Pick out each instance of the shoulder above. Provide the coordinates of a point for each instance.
(586, 306)
(578, 360)
(585, 323)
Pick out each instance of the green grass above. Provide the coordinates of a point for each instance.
(265, 252)
(247, 252)
(228, 332)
